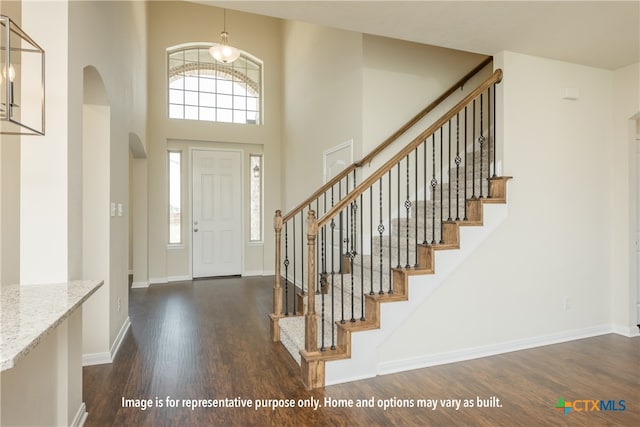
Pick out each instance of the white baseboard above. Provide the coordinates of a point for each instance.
(394, 366)
(92, 359)
(178, 278)
(157, 280)
(252, 273)
(137, 285)
(117, 343)
(269, 273)
(81, 416)
(626, 331)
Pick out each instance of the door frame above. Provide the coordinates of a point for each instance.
(242, 204)
(346, 147)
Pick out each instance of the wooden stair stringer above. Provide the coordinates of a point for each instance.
(364, 346)
(313, 364)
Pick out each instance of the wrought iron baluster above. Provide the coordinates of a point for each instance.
(466, 167)
(286, 269)
(352, 255)
(449, 172)
(441, 187)
(481, 140)
(473, 176)
(333, 276)
(323, 284)
(380, 232)
(495, 121)
(346, 236)
(361, 259)
(293, 241)
(370, 242)
(390, 290)
(424, 190)
(398, 224)
(302, 252)
(491, 140)
(415, 210)
(458, 161)
(434, 183)
(323, 236)
(341, 236)
(407, 206)
(341, 252)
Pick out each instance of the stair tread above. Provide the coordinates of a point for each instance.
(292, 327)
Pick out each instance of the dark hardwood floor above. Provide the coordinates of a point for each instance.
(209, 339)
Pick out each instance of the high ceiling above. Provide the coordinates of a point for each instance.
(603, 34)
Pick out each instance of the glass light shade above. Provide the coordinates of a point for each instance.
(12, 73)
(223, 52)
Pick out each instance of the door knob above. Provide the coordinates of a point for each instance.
(195, 230)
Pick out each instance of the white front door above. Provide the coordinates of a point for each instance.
(217, 213)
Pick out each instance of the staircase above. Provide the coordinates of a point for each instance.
(356, 242)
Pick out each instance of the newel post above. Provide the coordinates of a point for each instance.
(277, 288)
(311, 319)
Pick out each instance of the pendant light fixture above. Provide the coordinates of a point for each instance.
(21, 81)
(223, 52)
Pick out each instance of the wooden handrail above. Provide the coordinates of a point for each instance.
(333, 181)
(429, 108)
(384, 144)
(496, 77)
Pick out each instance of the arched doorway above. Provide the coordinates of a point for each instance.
(96, 212)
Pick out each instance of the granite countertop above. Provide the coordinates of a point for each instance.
(28, 313)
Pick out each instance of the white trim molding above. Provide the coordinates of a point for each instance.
(395, 366)
(92, 359)
(81, 416)
(138, 285)
(179, 278)
(626, 331)
(252, 273)
(117, 343)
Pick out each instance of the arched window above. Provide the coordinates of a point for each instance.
(201, 88)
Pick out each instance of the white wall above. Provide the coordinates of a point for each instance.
(175, 23)
(119, 57)
(44, 210)
(624, 200)
(555, 241)
(95, 214)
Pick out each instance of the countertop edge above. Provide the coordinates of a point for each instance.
(11, 361)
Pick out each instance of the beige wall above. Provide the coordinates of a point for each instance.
(45, 387)
(556, 241)
(10, 187)
(401, 78)
(322, 105)
(175, 23)
(342, 86)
